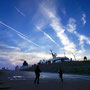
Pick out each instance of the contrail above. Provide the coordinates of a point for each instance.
(47, 36)
(19, 33)
(20, 12)
(27, 39)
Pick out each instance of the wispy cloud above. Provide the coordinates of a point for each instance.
(71, 27)
(9, 47)
(82, 39)
(19, 33)
(20, 11)
(83, 18)
(49, 12)
(60, 31)
(31, 57)
(4, 62)
(48, 36)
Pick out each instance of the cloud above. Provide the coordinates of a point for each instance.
(83, 18)
(56, 25)
(31, 57)
(31, 48)
(83, 38)
(9, 47)
(49, 13)
(19, 33)
(71, 27)
(20, 12)
(25, 46)
(5, 62)
(48, 36)
(31, 54)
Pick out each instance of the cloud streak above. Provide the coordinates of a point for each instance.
(60, 31)
(9, 47)
(19, 33)
(71, 27)
(30, 57)
(83, 18)
(48, 36)
(20, 12)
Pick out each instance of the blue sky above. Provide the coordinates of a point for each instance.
(30, 28)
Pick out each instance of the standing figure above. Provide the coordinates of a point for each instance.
(37, 73)
(61, 74)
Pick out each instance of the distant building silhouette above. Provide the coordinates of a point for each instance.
(24, 66)
(25, 63)
(70, 59)
(17, 67)
(85, 58)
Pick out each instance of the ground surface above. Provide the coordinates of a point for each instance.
(17, 80)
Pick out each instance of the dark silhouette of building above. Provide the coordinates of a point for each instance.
(70, 59)
(25, 63)
(37, 73)
(85, 58)
(17, 67)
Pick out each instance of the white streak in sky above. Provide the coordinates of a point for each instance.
(58, 28)
(83, 38)
(20, 12)
(48, 36)
(10, 47)
(83, 18)
(19, 33)
(71, 27)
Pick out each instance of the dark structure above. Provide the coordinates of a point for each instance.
(25, 63)
(70, 59)
(37, 73)
(85, 58)
(17, 67)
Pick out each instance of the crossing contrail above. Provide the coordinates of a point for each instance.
(48, 36)
(20, 12)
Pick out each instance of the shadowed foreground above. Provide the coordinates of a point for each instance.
(13, 80)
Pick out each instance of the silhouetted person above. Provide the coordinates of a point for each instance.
(85, 58)
(61, 74)
(37, 73)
